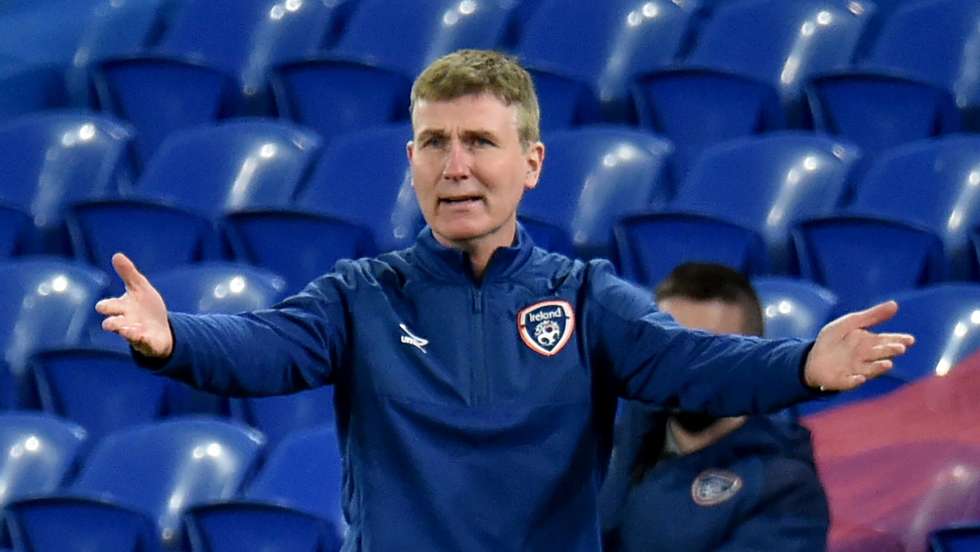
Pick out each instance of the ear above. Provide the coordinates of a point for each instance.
(535, 159)
(410, 153)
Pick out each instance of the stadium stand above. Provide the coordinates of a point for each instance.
(277, 417)
(792, 307)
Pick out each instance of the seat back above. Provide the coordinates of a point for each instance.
(278, 417)
(163, 468)
(793, 308)
(363, 178)
(593, 177)
(955, 538)
(767, 183)
(40, 451)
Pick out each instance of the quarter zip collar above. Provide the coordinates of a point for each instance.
(454, 265)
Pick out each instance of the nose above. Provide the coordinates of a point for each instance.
(457, 162)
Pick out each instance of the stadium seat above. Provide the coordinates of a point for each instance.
(746, 72)
(16, 231)
(293, 504)
(28, 88)
(103, 391)
(793, 308)
(907, 226)
(213, 288)
(918, 81)
(584, 55)
(737, 205)
(957, 538)
(211, 63)
(277, 417)
(361, 179)
(43, 303)
(135, 485)
(593, 176)
(196, 177)
(49, 160)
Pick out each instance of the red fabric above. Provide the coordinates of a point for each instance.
(901, 465)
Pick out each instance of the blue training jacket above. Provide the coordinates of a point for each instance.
(477, 415)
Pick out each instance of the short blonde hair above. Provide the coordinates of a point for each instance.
(467, 72)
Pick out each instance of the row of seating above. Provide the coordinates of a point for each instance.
(137, 489)
(256, 189)
(755, 65)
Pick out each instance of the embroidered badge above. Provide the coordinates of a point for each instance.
(712, 487)
(547, 326)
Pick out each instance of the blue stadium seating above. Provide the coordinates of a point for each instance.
(907, 226)
(213, 288)
(40, 452)
(746, 72)
(197, 176)
(277, 417)
(49, 160)
(135, 485)
(26, 88)
(917, 82)
(593, 176)
(793, 308)
(211, 63)
(956, 538)
(293, 504)
(737, 206)
(103, 391)
(43, 303)
(363, 178)
(584, 55)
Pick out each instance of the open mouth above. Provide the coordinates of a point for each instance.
(461, 200)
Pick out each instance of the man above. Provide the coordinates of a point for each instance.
(692, 482)
(475, 374)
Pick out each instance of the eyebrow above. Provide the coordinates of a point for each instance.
(466, 134)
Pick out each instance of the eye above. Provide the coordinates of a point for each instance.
(433, 142)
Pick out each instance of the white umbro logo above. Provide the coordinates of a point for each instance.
(411, 339)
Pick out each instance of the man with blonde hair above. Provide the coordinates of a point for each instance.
(476, 374)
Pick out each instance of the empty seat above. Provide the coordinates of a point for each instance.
(592, 177)
(211, 63)
(746, 71)
(918, 81)
(793, 308)
(103, 391)
(277, 417)
(583, 55)
(293, 504)
(737, 205)
(907, 226)
(49, 160)
(40, 452)
(43, 303)
(956, 538)
(196, 177)
(135, 485)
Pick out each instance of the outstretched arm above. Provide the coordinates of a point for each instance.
(139, 315)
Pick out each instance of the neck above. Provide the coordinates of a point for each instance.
(480, 249)
(688, 442)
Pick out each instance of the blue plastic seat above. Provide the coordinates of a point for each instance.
(197, 176)
(362, 179)
(593, 176)
(211, 63)
(746, 72)
(293, 504)
(40, 452)
(43, 303)
(213, 288)
(27, 88)
(136, 484)
(907, 226)
(583, 55)
(956, 538)
(103, 391)
(49, 160)
(793, 308)
(277, 417)
(737, 205)
(918, 81)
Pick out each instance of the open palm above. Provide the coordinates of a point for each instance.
(139, 315)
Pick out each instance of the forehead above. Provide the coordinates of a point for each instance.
(483, 112)
(713, 315)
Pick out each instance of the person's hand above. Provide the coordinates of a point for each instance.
(846, 354)
(139, 315)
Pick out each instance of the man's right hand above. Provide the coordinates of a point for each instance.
(139, 315)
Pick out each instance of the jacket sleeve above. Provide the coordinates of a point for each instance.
(651, 358)
(791, 515)
(297, 344)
